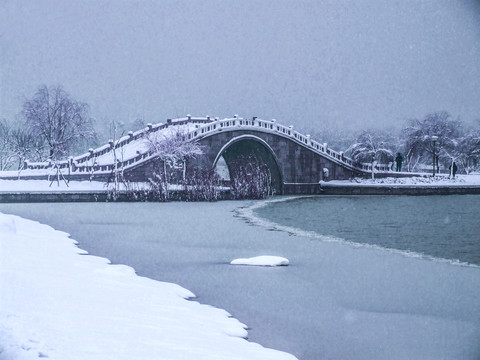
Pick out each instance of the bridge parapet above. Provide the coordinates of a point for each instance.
(123, 141)
(200, 127)
(282, 130)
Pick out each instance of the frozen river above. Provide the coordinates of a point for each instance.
(334, 301)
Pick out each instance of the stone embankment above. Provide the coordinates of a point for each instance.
(300, 189)
(334, 189)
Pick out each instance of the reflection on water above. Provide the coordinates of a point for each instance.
(445, 227)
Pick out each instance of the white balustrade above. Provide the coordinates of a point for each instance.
(206, 126)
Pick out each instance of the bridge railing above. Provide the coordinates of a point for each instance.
(125, 140)
(287, 131)
(203, 126)
(121, 165)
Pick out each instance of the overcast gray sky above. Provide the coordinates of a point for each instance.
(306, 63)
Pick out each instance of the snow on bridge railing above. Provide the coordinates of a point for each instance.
(125, 140)
(378, 167)
(274, 127)
(132, 136)
(111, 167)
(204, 126)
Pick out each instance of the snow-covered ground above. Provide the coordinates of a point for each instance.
(45, 186)
(48, 186)
(57, 303)
(417, 181)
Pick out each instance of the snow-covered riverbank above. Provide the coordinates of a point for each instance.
(415, 181)
(61, 186)
(59, 304)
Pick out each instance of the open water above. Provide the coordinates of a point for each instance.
(443, 227)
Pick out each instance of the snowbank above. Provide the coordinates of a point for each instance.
(56, 303)
(417, 181)
(264, 260)
(44, 186)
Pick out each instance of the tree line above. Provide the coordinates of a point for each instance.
(450, 139)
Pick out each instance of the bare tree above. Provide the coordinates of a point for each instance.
(61, 121)
(251, 178)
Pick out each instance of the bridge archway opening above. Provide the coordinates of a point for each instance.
(244, 147)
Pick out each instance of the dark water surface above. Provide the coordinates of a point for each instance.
(446, 227)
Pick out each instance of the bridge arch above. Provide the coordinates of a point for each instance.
(246, 145)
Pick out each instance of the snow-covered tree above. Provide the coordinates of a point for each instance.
(61, 121)
(173, 150)
(372, 147)
(7, 154)
(26, 146)
(419, 136)
(16, 146)
(466, 152)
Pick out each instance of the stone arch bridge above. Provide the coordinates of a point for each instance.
(296, 162)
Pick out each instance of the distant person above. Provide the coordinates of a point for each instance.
(399, 160)
(325, 173)
(453, 169)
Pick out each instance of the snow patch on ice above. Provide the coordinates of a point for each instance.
(264, 260)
